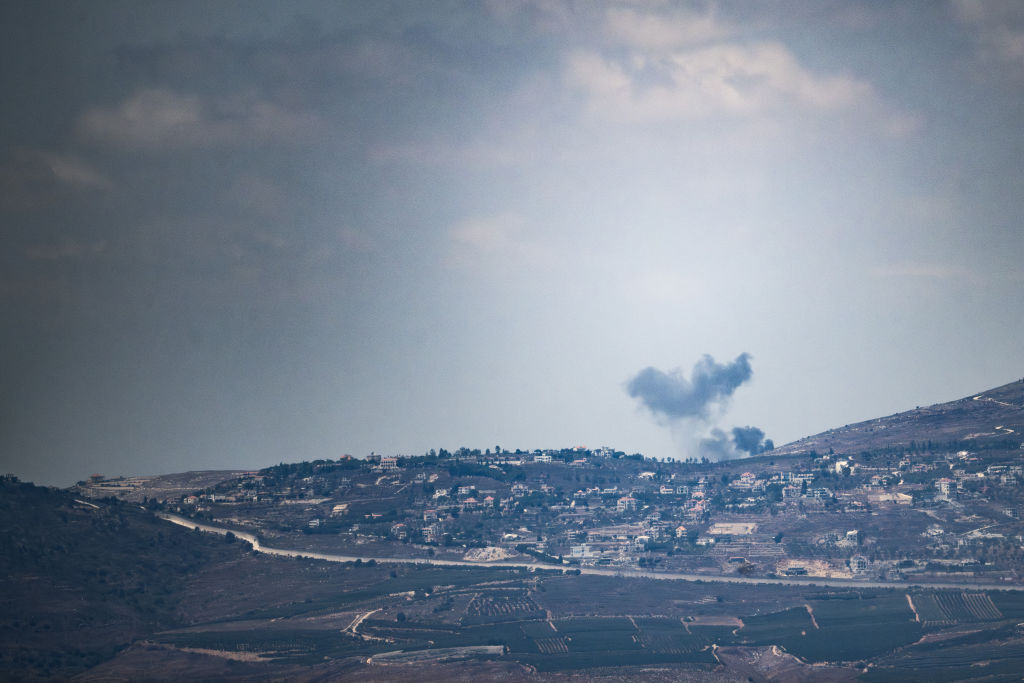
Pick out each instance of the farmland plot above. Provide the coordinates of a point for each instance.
(955, 661)
(499, 606)
(847, 629)
(550, 646)
(948, 609)
(930, 611)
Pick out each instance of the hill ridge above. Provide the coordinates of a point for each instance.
(995, 414)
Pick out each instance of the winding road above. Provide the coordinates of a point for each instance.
(1000, 428)
(593, 571)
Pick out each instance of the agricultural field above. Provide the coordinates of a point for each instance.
(855, 628)
(949, 608)
(991, 653)
(501, 606)
(557, 623)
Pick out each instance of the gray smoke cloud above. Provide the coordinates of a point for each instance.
(687, 405)
(751, 440)
(672, 396)
(743, 442)
(716, 446)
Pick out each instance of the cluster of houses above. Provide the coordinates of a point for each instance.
(602, 507)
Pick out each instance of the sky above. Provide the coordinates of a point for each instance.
(242, 233)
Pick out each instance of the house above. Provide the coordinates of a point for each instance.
(432, 533)
(626, 504)
(579, 551)
(745, 481)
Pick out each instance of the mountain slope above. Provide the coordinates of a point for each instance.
(79, 580)
(990, 418)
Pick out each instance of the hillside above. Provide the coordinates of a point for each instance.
(993, 418)
(79, 580)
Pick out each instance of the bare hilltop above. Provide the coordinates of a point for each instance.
(989, 416)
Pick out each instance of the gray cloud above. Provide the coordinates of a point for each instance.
(673, 396)
(31, 178)
(157, 118)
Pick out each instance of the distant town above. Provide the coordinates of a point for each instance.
(921, 512)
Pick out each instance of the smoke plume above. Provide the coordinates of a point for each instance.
(690, 406)
(716, 446)
(672, 396)
(751, 440)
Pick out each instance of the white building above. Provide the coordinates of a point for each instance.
(626, 504)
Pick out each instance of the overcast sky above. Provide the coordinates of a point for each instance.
(236, 234)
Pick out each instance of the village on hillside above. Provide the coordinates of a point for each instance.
(924, 512)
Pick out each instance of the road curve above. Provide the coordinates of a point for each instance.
(593, 571)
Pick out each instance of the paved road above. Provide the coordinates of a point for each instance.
(594, 571)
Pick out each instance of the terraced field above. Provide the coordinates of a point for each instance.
(514, 605)
(949, 609)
